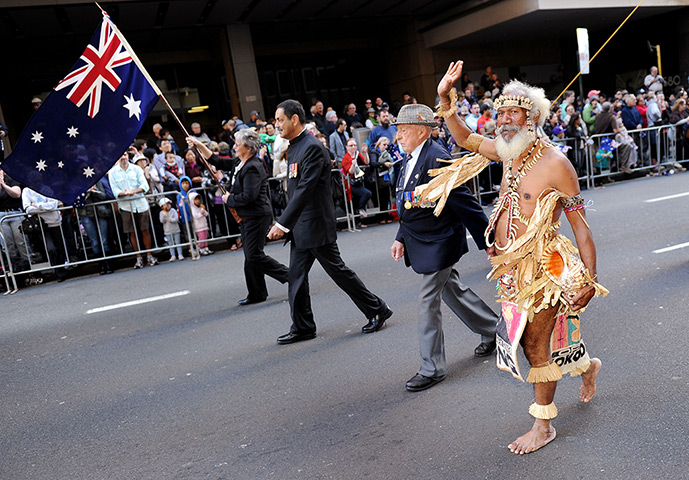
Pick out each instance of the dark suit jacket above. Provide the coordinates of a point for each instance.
(310, 213)
(250, 195)
(433, 243)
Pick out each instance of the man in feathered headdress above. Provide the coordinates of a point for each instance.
(543, 280)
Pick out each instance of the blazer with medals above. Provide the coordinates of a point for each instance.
(310, 213)
(434, 243)
(249, 191)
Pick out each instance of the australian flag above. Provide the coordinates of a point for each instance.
(86, 122)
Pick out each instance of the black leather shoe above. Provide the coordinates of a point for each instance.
(484, 349)
(295, 337)
(250, 301)
(376, 323)
(421, 382)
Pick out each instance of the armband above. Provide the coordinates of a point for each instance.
(572, 204)
(448, 112)
(474, 142)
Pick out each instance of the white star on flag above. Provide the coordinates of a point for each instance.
(88, 172)
(73, 131)
(40, 165)
(133, 106)
(36, 137)
(60, 164)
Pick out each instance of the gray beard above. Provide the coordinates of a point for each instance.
(515, 147)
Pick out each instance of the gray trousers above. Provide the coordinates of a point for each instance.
(463, 302)
(15, 245)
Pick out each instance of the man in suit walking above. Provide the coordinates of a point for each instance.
(310, 221)
(432, 245)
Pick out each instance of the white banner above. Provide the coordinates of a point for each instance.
(583, 44)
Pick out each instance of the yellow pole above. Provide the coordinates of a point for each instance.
(660, 67)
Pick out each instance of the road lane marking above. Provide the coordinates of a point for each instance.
(669, 197)
(138, 302)
(674, 247)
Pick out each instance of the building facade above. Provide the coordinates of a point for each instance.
(244, 55)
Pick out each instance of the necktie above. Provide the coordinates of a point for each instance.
(405, 160)
(399, 197)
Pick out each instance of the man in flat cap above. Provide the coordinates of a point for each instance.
(432, 245)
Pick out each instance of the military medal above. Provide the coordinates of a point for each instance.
(407, 200)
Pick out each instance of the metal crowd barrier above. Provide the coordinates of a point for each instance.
(374, 208)
(40, 251)
(653, 147)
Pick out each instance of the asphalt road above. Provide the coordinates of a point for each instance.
(195, 387)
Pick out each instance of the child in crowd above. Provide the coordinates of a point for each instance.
(151, 175)
(559, 139)
(199, 214)
(185, 212)
(170, 220)
(182, 197)
(171, 170)
(604, 154)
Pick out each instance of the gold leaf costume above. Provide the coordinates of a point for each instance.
(536, 269)
(543, 265)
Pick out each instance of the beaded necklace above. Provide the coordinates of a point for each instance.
(509, 200)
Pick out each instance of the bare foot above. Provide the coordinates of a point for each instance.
(588, 388)
(540, 435)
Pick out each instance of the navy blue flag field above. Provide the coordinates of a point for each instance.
(86, 122)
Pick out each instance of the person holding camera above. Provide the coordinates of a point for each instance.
(654, 82)
(351, 166)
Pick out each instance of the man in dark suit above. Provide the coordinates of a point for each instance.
(310, 222)
(432, 245)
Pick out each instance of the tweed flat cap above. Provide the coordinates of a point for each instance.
(415, 114)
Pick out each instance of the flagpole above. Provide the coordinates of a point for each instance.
(138, 63)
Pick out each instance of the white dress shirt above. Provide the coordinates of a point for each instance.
(411, 163)
(130, 179)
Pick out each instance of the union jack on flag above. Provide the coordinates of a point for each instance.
(99, 69)
(67, 147)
